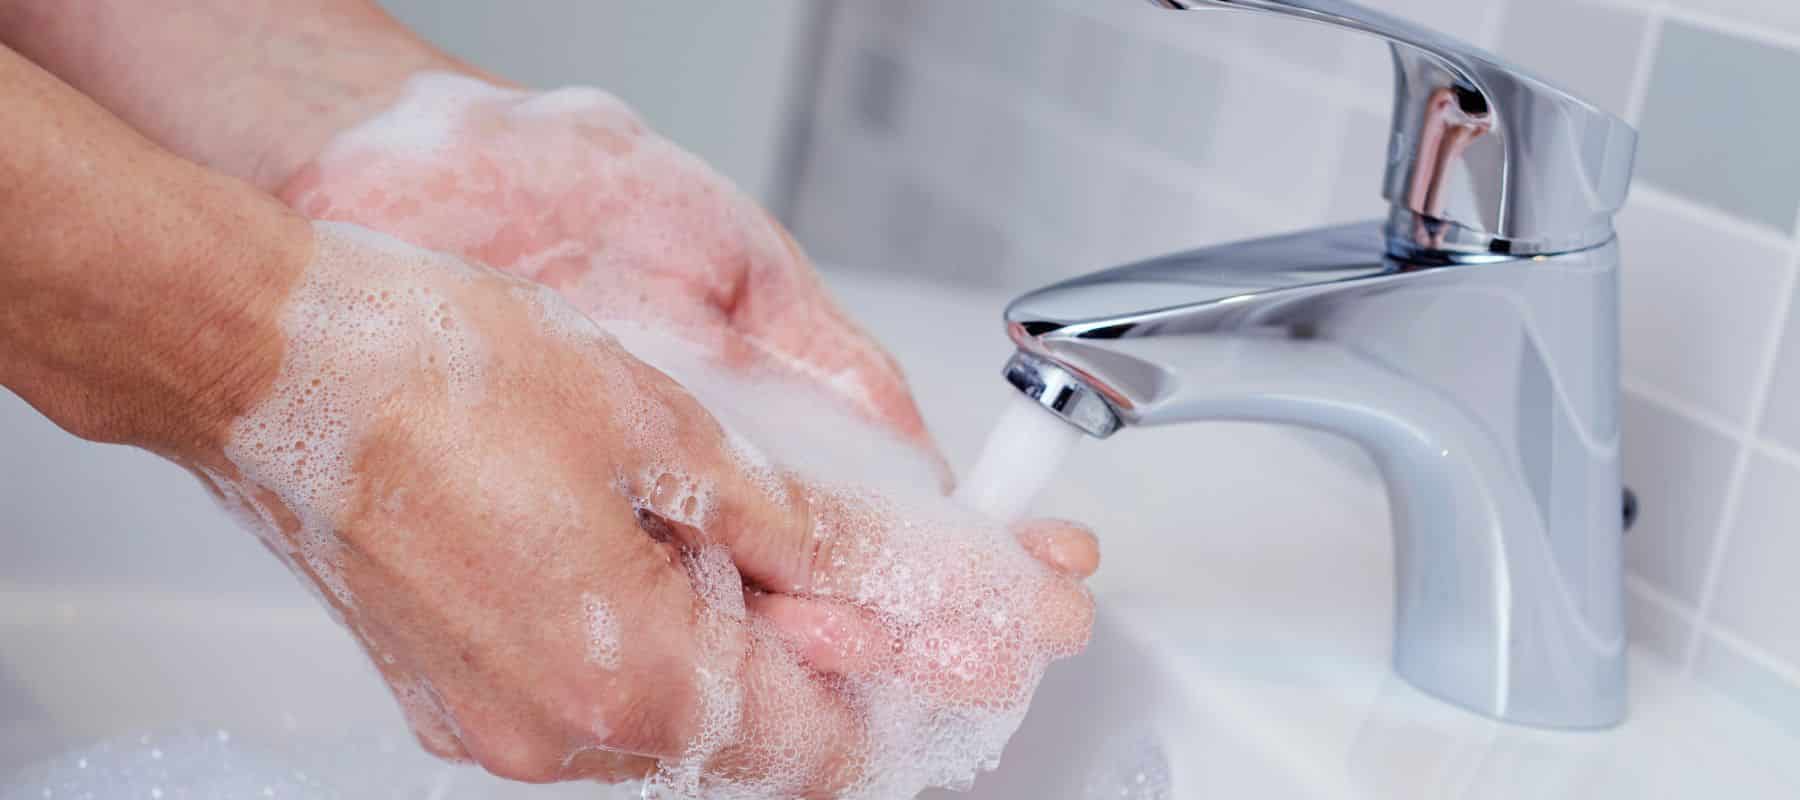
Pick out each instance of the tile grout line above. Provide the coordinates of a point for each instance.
(1342, 90)
(1760, 657)
(1668, 402)
(1760, 387)
(1667, 605)
(1044, 108)
(1712, 217)
(1777, 451)
(1660, 596)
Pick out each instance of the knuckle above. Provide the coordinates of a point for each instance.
(519, 758)
(615, 715)
(436, 744)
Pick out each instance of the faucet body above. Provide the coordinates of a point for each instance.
(1469, 343)
(1486, 393)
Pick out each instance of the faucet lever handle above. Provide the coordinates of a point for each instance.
(1483, 156)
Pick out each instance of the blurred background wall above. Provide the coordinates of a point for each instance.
(720, 76)
(1005, 143)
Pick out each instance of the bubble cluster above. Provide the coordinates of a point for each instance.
(1131, 768)
(356, 331)
(185, 765)
(615, 221)
(602, 625)
(571, 189)
(426, 714)
(971, 614)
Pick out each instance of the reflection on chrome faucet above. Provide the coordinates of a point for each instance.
(1469, 343)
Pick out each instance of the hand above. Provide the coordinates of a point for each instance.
(569, 188)
(548, 549)
(546, 546)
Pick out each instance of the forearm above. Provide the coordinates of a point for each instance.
(137, 290)
(252, 88)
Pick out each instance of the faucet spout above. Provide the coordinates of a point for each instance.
(1483, 386)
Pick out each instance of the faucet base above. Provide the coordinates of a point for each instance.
(1484, 387)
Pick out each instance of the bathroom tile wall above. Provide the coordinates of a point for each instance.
(1004, 143)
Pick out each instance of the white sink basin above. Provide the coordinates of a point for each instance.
(1241, 651)
(167, 672)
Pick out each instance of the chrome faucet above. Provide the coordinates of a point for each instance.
(1469, 343)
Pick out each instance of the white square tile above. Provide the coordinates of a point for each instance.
(1149, 216)
(944, 25)
(1021, 51)
(1698, 307)
(943, 122)
(1366, 59)
(971, 249)
(836, 217)
(1369, 63)
(1308, 45)
(1712, 130)
(1755, 596)
(1063, 175)
(1679, 470)
(1092, 61)
(878, 91)
(1763, 685)
(1588, 49)
(1362, 167)
(909, 223)
(1470, 22)
(1782, 15)
(1781, 412)
(1274, 140)
(1172, 100)
(1656, 622)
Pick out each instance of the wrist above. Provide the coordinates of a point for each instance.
(214, 355)
(162, 344)
(246, 87)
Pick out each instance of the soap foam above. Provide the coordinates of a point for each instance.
(1130, 768)
(184, 765)
(426, 714)
(916, 560)
(571, 189)
(602, 625)
(973, 619)
(354, 333)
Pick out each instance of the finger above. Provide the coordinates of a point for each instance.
(596, 764)
(795, 735)
(787, 309)
(1067, 547)
(713, 694)
(986, 657)
(973, 646)
(426, 715)
(1063, 617)
(992, 656)
(830, 637)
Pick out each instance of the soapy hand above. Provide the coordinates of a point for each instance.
(552, 551)
(569, 188)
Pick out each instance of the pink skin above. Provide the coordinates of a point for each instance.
(195, 266)
(588, 200)
(585, 198)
